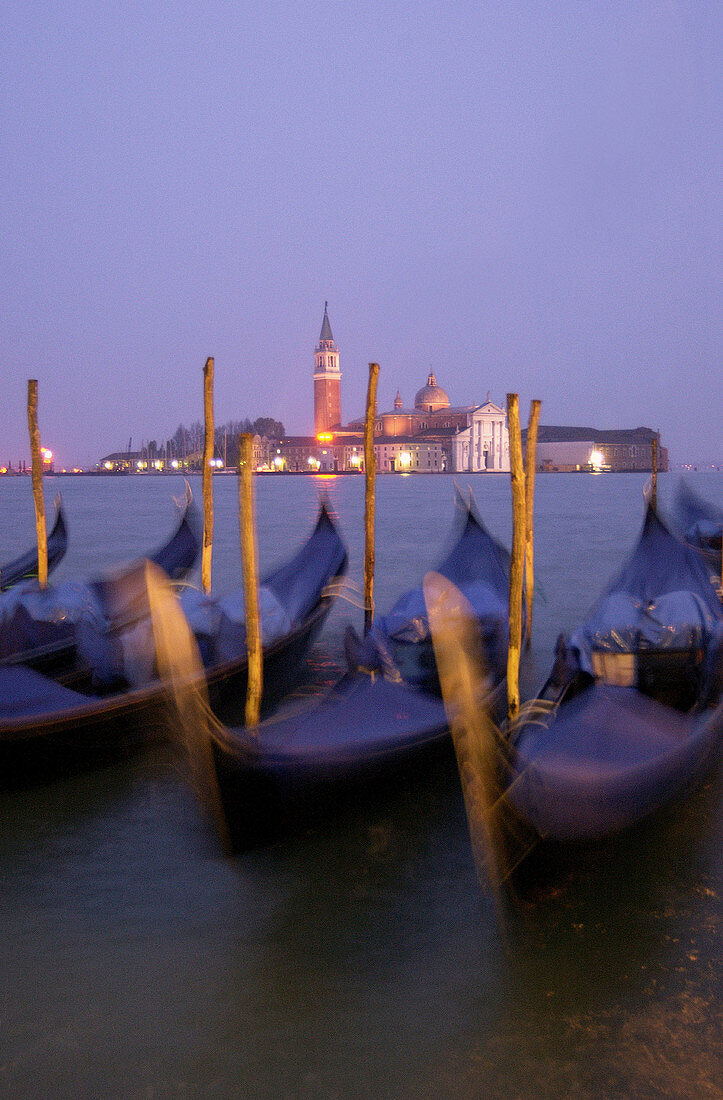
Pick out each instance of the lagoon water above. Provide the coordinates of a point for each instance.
(359, 959)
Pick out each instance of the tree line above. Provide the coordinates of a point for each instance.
(186, 443)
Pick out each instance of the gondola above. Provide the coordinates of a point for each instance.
(38, 628)
(364, 735)
(637, 717)
(26, 566)
(45, 725)
(699, 523)
(631, 715)
(372, 729)
(479, 566)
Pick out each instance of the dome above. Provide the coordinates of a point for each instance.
(431, 397)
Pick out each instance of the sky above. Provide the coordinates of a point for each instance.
(521, 197)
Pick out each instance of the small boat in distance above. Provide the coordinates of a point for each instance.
(25, 567)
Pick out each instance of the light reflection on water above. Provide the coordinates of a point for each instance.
(358, 959)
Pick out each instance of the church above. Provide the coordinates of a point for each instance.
(432, 436)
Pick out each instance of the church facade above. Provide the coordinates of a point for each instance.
(435, 436)
(430, 436)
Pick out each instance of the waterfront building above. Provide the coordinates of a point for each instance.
(411, 454)
(618, 450)
(436, 436)
(303, 454)
(440, 436)
(122, 462)
(432, 436)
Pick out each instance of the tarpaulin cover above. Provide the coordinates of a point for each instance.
(662, 598)
(479, 566)
(623, 624)
(697, 520)
(31, 616)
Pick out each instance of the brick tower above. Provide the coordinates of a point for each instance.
(327, 380)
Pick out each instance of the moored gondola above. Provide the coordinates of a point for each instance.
(370, 731)
(317, 759)
(45, 725)
(631, 715)
(637, 717)
(25, 567)
(400, 640)
(39, 628)
(699, 523)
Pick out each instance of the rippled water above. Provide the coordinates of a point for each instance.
(359, 959)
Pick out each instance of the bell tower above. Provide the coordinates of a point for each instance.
(327, 380)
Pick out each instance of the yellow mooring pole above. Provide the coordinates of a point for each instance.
(249, 559)
(37, 471)
(530, 464)
(517, 561)
(207, 482)
(370, 470)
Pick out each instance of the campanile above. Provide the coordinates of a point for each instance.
(327, 380)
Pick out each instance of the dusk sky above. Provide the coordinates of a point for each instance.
(520, 196)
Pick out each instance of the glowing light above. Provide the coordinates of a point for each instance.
(355, 460)
(596, 460)
(215, 462)
(108, 464)
(47, 454)
(405, 459)
(175, 463)
(278, 462)
(325, 437)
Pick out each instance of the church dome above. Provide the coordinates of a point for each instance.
(431, 397)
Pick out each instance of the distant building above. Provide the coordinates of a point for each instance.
(436, 436)
(432, 436)
(302, 454)
(122, 462)
(327, 380)
(617, 449)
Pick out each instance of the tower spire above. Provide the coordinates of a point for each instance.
(325, 326)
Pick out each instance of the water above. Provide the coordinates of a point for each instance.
(359, 959)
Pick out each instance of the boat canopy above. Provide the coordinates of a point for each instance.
(622, 624)
(662, 599)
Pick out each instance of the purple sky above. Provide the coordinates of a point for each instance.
(524, 197)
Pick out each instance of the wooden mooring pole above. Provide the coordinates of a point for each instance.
(370, 470)
(207, 482)
(530, 467)
(654, 467)
(249, 559)
(517, 561)
(37, 477)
